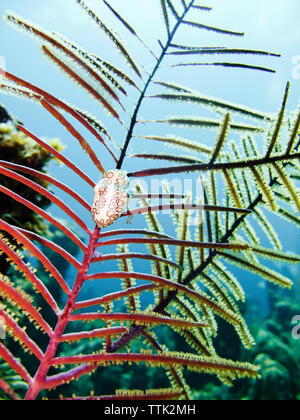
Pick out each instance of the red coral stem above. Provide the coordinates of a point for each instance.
(200, 363)
(176, 242)
(40, 379)
(171, 206)
(81, 81)
(58, 155)
(26, 306)
(6, 388)
(84, 144)
(47, 178)
(103, 332)
(167, 283)
(43, 191)
(36, 252)
(51, 245)
(60, 46)
(133, 255)
(45, 215)
(66, 377)
(56, 102)
(149, 396)
(15, 365)
(134, 232)
(29, 275)
(115, 296)
(21, 335)
(137, 318)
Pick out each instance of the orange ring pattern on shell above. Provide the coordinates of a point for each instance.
(111, 198)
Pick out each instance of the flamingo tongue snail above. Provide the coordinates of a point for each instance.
(111, 198)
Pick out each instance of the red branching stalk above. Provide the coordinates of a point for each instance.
(138, 318)
(81, 81)
(66, 377)
(134, 232)
(115, 296)
(83, 143)
(48, 179)
(183, 206)
(170, 285)
(176, 242)
(6, 388)
(132, 255)
(11, 360)
(21, 335)
(190, 360)
(40, 380)
(58, 156)
(62, 47)
(45, 215)
(36, 252)
(36, 282)
(51, 245)
(103, 332)
(26, 306)
(58, 103)
(162, 394)
(43, 191)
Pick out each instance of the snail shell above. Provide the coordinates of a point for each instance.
(111, 198)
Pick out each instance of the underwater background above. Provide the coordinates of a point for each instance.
(270, 25)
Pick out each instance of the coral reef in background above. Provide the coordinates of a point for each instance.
(16, 147)
(277, 352)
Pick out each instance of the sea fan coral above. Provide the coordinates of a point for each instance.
(186, 270)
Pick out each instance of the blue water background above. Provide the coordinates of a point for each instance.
(268, 24)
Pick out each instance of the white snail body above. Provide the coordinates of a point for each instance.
(111, 198)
